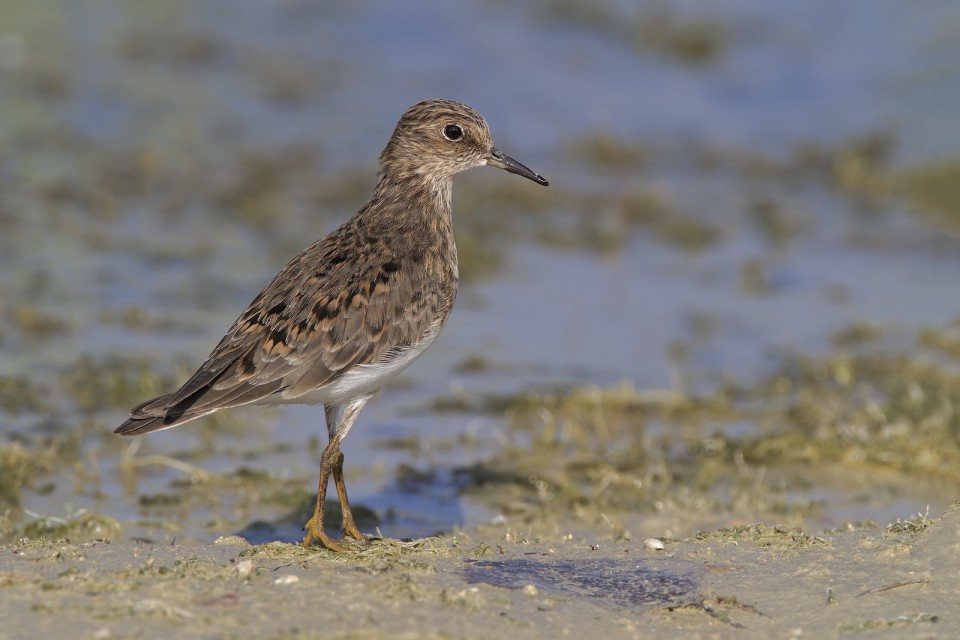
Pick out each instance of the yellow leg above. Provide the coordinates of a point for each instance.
(350, 528)
(314, 526)
(331, 461)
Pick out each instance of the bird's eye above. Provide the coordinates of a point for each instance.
(452, 132)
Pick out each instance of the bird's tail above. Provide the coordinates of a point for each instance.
(157, 414)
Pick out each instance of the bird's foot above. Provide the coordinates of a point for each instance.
(352, 531)
(315, 531)
(350, 528)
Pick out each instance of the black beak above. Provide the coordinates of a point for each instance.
(502, 160)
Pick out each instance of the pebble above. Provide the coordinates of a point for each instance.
(244, 567)
(653, 544)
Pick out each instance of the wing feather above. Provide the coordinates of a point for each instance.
(333, 307)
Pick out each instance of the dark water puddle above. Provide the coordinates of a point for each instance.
(646, 583)
(425, 515)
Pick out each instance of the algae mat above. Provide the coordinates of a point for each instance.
(749, 581)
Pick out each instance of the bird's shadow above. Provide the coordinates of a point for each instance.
(427, 508)
(290, 527)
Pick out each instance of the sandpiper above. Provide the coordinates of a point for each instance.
(357, 306)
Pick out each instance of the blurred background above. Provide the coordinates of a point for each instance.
(735, 302)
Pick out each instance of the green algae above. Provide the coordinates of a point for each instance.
(618, 451)
(82, 527)
(933, 188)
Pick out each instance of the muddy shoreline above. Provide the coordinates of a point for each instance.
(752, 580)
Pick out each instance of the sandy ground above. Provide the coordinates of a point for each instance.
(752, 581)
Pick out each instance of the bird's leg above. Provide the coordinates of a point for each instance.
(314, 526)
(331, 461)
(349, 526)
(338, 430)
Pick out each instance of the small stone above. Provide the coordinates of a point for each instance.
(237, 540)
(653, 544)
(530, 589)
(152, 605)
(288, 578)
(244, 567)
(897, 550)
(469, 597)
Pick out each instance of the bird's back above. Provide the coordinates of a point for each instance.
(361, 297)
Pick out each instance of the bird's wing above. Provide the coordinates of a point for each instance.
(329, 309)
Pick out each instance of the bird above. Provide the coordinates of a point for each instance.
(353, 309)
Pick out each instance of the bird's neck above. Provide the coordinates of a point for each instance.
(414, 214)
(426, 199)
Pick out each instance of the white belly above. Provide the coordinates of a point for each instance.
(362, 379)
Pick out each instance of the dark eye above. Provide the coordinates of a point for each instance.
(452, 132)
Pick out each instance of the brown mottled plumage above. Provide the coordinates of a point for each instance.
(354, 308)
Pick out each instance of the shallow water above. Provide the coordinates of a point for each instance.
(647, 583)
(124, 130)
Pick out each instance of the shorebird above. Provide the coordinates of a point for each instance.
(356, 307)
